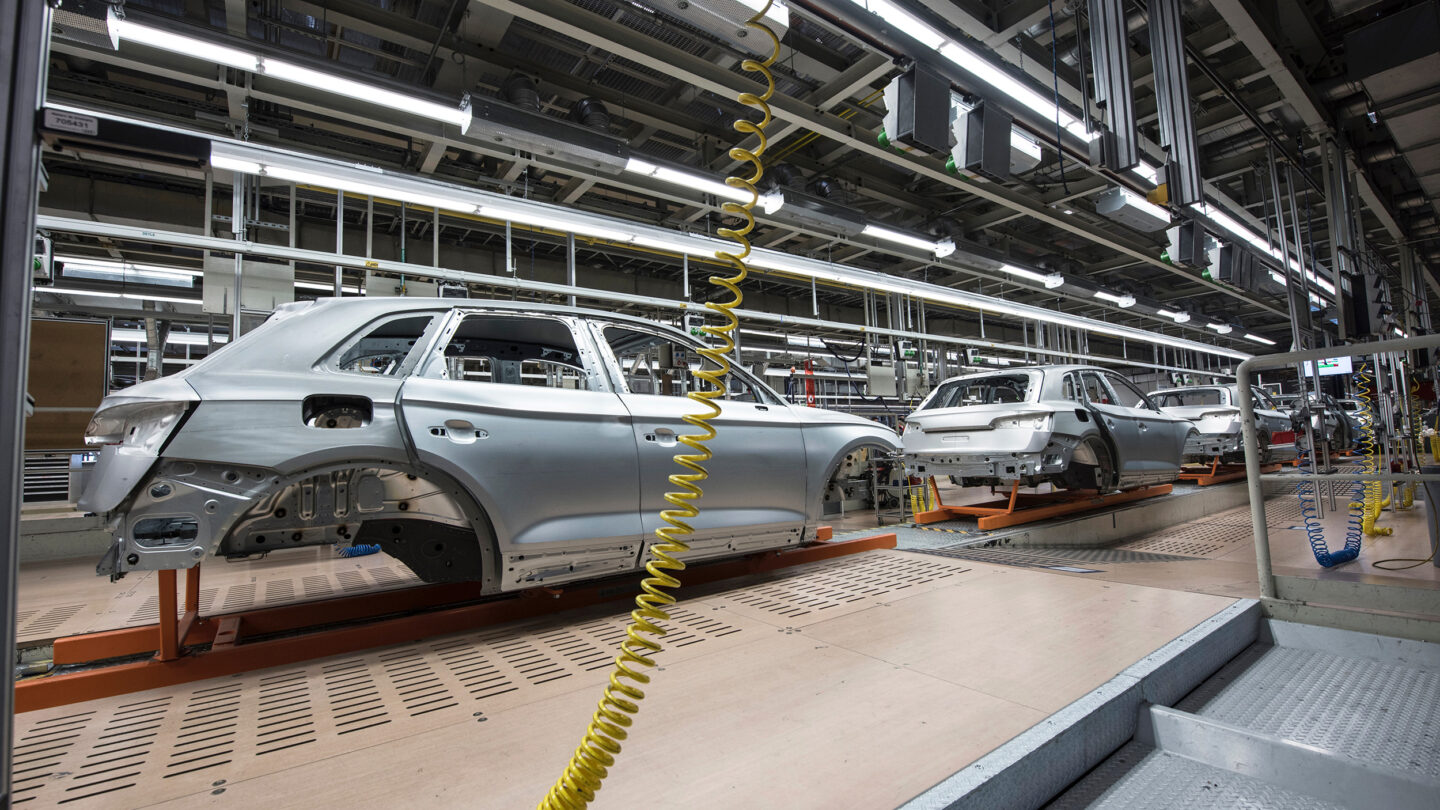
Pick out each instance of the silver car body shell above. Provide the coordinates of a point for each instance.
(966, 443)
(552, 485)
(1219, 434)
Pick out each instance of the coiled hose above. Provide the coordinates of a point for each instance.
(609, 726)
(1315, 533)
(1370, 448)
(1361, 513)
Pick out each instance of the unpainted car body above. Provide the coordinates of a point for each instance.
(1215, 410)
(1328, 420)
(1079, 427)
(513, 444)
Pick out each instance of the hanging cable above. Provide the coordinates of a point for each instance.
(590, 763)
(1055, 79)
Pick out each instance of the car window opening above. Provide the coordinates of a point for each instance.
(1189, 397)
(383, 349)
(514, 351)
(655, 364)
(990, 390)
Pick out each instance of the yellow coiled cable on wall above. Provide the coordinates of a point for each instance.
(1372, 503)
(590, 763)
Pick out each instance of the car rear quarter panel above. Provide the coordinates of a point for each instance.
(255, 418)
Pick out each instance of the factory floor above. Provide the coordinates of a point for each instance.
(856, 682)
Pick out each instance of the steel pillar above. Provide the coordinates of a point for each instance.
(1172, 95)
(23, 48)
(1116, 148)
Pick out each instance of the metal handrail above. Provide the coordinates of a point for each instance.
(1243, 376)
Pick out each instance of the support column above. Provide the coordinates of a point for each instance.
(339, 240)
(237, 226)
(1172, 94)
(24, 42)
(1110, 54)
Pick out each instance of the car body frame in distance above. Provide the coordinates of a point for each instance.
(1215, 410)
(1077, 427)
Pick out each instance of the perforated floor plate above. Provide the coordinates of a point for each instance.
(1195, 539)
(143, 748)
(839, 587)
(51, 609)
(1050, 556)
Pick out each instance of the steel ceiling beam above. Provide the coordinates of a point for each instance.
(1254, 34)
(620, 40)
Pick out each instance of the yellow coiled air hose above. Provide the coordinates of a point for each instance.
(589, 765)
(1417, 443)
(1371, 450)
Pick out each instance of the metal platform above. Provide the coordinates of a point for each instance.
(1343, 720)
(1218, 473)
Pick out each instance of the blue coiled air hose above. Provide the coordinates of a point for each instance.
(1354, 527)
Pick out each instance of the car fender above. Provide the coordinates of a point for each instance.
(826, 445)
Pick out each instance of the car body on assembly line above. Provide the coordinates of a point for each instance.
(1078, 427)
(1215, 410)
(513, 444)
(1328, 420)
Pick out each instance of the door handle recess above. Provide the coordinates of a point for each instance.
(661, 436)
(459, 431)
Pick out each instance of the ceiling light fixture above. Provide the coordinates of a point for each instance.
(458, 115)
(901, 238)
(1122, 301)
(1222, 328)
(132, 31)
(1178, 317)
(369, 180)
(1258, 339)
(104, 294)
(688, 179)
(973, 63)
(1050, 281)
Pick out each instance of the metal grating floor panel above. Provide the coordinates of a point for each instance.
(1194, 539)
(1051, 556)
(1366, 709)
(1138, 776)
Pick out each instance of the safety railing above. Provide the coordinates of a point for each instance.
(1340, 600)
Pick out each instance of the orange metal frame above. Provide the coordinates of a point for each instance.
(1218, 473)
(1026, 507)
(309, 630)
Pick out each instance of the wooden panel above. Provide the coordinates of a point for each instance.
(802, 697)
(67, 379)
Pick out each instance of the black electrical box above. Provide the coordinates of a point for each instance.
(1190, 245)
(923, 112)
(987, 141)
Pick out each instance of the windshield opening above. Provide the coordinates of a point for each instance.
(1188, 398)
(990, 390)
